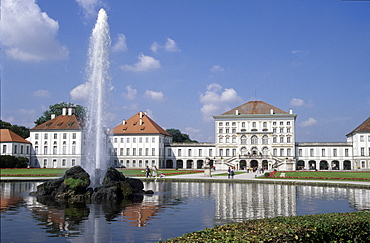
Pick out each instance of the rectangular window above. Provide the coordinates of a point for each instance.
(300, 152)
(128, 151)
(64, 148)
(140, 140)
(200, 152)
(121, 140)
(288, 139)
(153, 151)
(64, 135)
(362, 151)
(63, 162)
(227, 152)
(323, 152)
(55, 135)
(234, 152)
(45, 149)
(115, 152)
(73, 162)
(346, 152)
(73, 148)
(362, 138)
(335, 152)
(115, 140)
(146, 151)
(210, 153)
(128, 140)
(289, 151)
(45, 163)
(134, 151)
(281, 152)
(153, 139)
(147, 140)
(140, 151)
(4, 149)
(134, 140)
(189, 152)
(311, 153)
(45, 136)
(121, 151)
(221, 152)
(168, 152)
(37, 136)
(74, 135)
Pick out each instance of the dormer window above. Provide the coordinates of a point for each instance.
(48, 124)
(70, 124)
(58, 125)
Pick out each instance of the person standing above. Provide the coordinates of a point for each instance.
(228, 173)
(232, 173)
(147, 171)
(154, 171)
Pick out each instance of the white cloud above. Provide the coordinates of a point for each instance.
(157, 96)
(120, 44)
(308, 123)
(192, 130)
(81, 92)
(29, 34)
(27, 112)
(217, 68)
(215, 100)
(130, 94)
(89, 7)
(150, 114)
(144, 64)
(169, 46)
(300, 102)
(297, 102)
(41, 93)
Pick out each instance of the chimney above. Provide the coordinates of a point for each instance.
(123, 122)
(236, 112)
(141, 118)
(290, 111)
(52, 116)
(71, 110)
(64, 111)
(271, 111)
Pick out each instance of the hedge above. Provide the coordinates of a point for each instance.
(8, 161)
(333, 227)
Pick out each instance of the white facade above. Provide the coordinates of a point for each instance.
(253, 135)
(16, 149)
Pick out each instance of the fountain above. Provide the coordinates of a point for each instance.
(95, 159)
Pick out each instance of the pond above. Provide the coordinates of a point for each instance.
(175, 208)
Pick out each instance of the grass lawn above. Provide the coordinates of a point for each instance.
(50, 172)
(325, 174)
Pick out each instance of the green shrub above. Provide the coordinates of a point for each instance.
(8, 161)
(334, 227)
(267, 174)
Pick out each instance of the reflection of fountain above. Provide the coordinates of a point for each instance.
(96, 158)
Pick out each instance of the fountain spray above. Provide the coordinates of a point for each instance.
(96, 157)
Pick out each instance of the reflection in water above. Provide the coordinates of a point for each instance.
(174, 209)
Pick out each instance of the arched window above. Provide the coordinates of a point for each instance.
(265, 151)
(243, 140)
(254, 139)
(265, 139)
(243, 151)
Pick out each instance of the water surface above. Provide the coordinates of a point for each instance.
(174, 209)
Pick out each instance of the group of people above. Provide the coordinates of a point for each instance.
(152, 172)
(230, 173)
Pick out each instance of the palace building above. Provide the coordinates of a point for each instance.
(252, 135)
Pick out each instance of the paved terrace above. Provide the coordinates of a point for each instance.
(239, 178)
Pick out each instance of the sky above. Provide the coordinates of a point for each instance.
(184, 61)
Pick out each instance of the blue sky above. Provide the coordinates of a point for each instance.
(184, 61)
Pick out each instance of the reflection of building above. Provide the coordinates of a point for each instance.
(254, 134)
(254, 201)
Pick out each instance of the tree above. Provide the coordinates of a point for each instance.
(22, 131)
(57, 110)
(178, 137)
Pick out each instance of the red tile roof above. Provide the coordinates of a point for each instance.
(133, 126)
(255, 107)
(8, 136)
(364, 127)
(61, 122)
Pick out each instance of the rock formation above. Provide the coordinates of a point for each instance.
(73, 186)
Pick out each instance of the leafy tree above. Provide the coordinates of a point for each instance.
(22, 131)
(57, 110)
(8, 161)
(179, 137)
